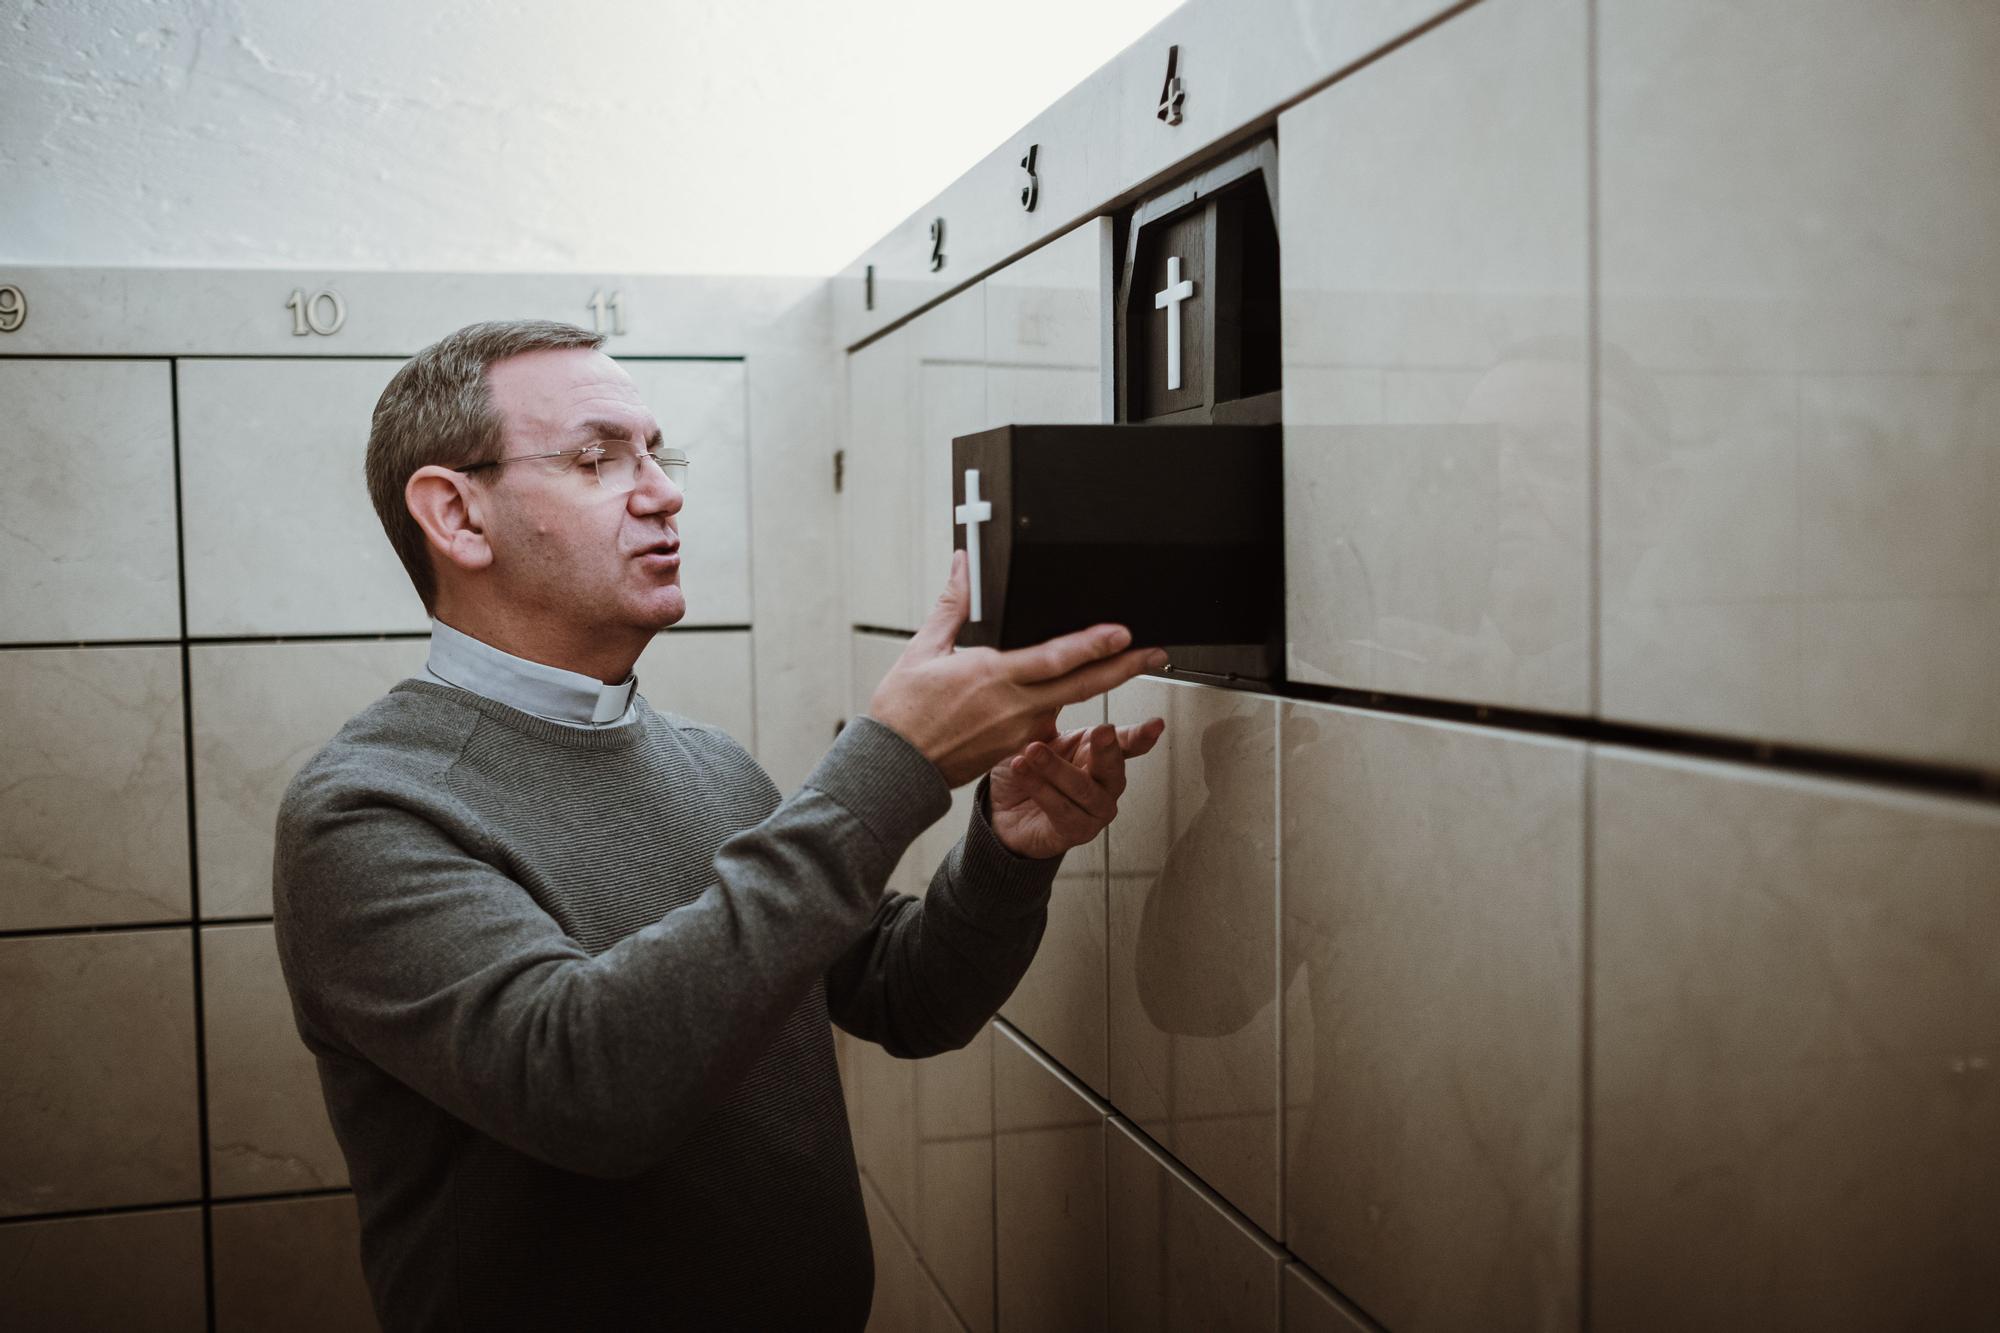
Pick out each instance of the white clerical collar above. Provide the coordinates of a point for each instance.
(547, 692)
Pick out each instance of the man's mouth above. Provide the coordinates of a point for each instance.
(660, 556)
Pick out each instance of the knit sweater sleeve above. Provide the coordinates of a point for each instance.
(405, 944)
(928, 973)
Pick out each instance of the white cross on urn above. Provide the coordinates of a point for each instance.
(1179, 289)
(971, 514)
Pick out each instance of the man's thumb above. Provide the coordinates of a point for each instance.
(940, 628)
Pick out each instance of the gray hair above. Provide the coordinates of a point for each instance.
(438, 411)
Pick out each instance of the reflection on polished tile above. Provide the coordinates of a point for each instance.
(260, 711)
(293, 1264)
(703, 675)
(93, 814)
(702, 407)
(1310, 1307)
(954, 1162)
(1049, 1171)
(1800, 373)
(87, 552)
(879, 483)
(267, 1125)
(1796, 1032)
(1059, 1004)
(121, 1271)
(281, 537)
(1177, 1261)
(1433, 898)
(1193, 938)
(1436, 368)
(98, 1107)
(908, 395)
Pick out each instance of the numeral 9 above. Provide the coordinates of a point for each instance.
(13, 308)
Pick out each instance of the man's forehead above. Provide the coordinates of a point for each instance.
(566, 390)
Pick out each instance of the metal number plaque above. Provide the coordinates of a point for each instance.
(1171, 95)
(323, 312)
(601, 305)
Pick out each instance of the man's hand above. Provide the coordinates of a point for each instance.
(1050, 798)
(966, 711)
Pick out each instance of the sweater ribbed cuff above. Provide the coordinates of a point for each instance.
(993, 882)
(883, 780)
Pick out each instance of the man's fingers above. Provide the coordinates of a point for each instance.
(1087, 682)
(1142, 737)
(1073, 782)
(940, 628)
(1107, 757)
(1060, 656)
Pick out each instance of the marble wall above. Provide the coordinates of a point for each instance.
(1641, 378)
(195, 598)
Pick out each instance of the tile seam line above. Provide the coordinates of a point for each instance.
(194, 869)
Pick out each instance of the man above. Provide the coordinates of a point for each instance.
(567, 963)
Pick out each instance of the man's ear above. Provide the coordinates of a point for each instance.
(449, 508)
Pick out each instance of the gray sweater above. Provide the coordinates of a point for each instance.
(569, 993)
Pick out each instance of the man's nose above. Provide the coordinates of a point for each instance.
(654, 492)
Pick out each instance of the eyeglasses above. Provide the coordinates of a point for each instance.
(617, 469)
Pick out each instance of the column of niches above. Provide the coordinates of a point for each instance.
(100, 1109)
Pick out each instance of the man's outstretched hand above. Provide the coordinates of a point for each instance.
(967, 711)
(1055, 796)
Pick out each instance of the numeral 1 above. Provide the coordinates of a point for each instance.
(599, 304)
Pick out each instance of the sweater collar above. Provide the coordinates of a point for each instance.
(532, 687)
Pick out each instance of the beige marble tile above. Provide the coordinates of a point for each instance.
(1312, 1307)
(1049, 1200)
(281, 537)
(1436, 368)
(1795, 1039)
(908, 394)
(109, 1273)
(87, 523)
(1060, 1003)
(897, 1279)
(93, 811)
(1432, 914)
(702, 407)
(885, 1140)
(293, 1264)
(260, 711)
(1193, 938)
(795, 423)
(1800, 374)
(953, 1128)
(1048, 307)
(267, 1125)
(1177, 1260)
(99, 1105)
(704, 675)
(880, 483)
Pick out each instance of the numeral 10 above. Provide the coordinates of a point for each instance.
(307, 312)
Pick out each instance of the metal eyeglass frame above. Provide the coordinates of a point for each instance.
(662, 458)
